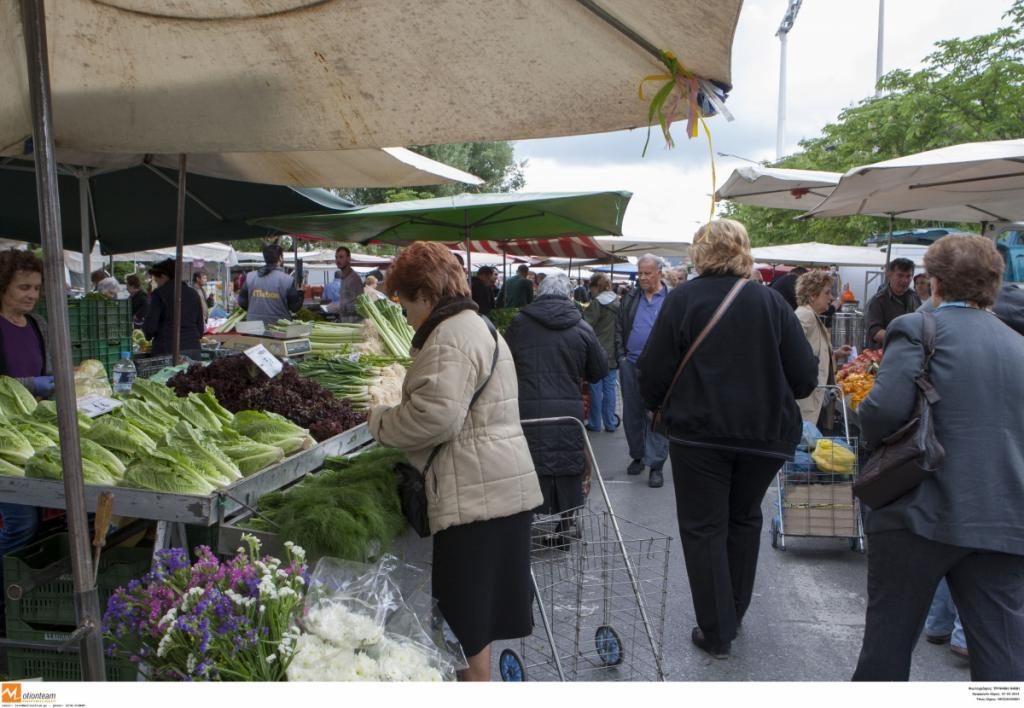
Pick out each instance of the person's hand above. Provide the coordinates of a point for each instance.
(843, 352)
(879, 336)
(42, 386)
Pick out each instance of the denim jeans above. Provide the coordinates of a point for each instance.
(943, 618)
(20, 524)
(602, 403)
(644, 444)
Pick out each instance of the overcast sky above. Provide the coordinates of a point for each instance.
(830, 65)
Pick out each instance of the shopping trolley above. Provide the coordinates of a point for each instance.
(815, 495)
(600, 589)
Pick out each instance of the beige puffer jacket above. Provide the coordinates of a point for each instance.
(821, 345)
(485, 470)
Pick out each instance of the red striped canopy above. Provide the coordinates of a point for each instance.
(575, 247)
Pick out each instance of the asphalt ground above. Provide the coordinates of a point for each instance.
(806, 620)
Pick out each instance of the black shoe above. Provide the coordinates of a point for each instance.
(635, 467)
(937, 638)
(657, 479)
(699, 640)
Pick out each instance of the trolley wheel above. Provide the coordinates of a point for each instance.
(510, 666)
(609, 646)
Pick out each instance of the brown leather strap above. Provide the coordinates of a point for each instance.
(704, 333)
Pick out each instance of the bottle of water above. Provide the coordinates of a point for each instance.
(124, 373)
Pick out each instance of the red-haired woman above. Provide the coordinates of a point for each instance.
(481, 484)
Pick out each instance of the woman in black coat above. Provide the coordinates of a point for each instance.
(732, 419)
(555, 351)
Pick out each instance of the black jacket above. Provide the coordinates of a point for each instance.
(159, 324)
(140, 305)
(483, 295)
(739, 389)
(786, 287)
(554, 351)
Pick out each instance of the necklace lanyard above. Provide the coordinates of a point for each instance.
(956, 303)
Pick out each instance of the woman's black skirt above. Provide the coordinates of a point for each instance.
(481, 580)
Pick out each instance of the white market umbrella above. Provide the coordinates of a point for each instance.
(778, 188)
(624, 246)
(819, 254)
(972, 182)
(195, 76)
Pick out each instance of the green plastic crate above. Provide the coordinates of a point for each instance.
(54, 665)
(112, 319)
(52, 602)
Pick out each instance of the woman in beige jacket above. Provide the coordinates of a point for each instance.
(481, 485)
(813, 296)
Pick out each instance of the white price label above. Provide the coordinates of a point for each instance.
(268, 363)
(354, 358)
(95, 405)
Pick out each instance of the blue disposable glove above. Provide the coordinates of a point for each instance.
(42, 386)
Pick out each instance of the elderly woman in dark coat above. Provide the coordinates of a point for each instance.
(965, 523)
(555, 351)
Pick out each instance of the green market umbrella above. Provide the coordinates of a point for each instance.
(469, 217)
(492, 217)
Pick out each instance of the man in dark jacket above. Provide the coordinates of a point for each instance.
(637, 314)
(159, 324)
(895, 299)
(517, 290)
(602, 314)
(786, 285)
(482, 287)
(555, 351)
(269, 294)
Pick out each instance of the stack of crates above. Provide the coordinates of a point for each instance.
(99, 328)
(39, 598)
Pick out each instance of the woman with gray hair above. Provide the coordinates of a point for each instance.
(555, 352)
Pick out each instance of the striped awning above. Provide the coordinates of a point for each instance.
(575, 247)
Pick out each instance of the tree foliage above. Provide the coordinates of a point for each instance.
(493, 162)
(969, 90)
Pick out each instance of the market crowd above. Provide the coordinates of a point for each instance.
(718, 373)
(714, 372)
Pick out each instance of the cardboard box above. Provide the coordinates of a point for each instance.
(840, 494)
(810, 521)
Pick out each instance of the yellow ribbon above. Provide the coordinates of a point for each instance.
(684, 81)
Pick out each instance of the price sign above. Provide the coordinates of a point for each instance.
(354, 358)
(268, 363)
(95, 405)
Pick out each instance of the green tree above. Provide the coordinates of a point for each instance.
(969, 90)
(493, 162)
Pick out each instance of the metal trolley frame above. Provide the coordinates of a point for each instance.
(600, 591)
(814, 504)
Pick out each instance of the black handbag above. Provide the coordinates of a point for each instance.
(911, 454)
(412, 488)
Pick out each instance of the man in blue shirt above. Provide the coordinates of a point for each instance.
(637, 314)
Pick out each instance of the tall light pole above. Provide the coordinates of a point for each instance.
(881, 46)
(782, 34)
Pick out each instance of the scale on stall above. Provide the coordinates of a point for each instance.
(286, 343)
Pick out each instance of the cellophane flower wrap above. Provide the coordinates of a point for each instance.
(210, 620)
(372, 623)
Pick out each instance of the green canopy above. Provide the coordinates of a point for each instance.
(491, 216)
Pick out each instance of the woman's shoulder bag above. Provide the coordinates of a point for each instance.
(911, 454)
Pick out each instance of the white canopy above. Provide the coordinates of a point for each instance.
(819, 254)
(972, 182)
(626, 246)
(151, 76)
(778, 188)
(368, 167)
(208, 252)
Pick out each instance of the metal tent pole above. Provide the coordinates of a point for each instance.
(179, 260)
(83, 205)
(888, 249)
(87, 606)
